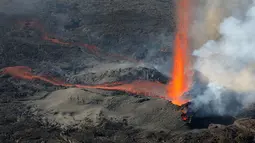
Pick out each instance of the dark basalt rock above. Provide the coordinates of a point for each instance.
(131, 28)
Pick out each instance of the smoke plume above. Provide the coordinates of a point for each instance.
(208, 14)
(229, 61)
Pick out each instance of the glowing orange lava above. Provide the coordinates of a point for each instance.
(146, 88)
(180, 78)
(173, 91)
(92, 48)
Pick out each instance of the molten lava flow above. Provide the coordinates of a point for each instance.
(24, 72)
(181, 81)
(146, 88)
(92, 48)
(56, 41)
(184, 117)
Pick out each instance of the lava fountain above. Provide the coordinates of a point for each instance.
(180, 74)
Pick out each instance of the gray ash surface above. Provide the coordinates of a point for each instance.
(135, 29)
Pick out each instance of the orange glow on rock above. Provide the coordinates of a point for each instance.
(91, 48)
(142, 87)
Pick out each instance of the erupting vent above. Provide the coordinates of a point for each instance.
(174, 91)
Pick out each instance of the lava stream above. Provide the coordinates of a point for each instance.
(180, 76)
(92, 48)
(146, 88)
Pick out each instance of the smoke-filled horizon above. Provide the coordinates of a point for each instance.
(207, 15)
(227, 60)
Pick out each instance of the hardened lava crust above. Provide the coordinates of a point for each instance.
(95, 42)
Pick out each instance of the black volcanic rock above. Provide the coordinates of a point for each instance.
(120, 74)
(132, 28)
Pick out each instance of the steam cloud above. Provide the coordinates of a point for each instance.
(208, 14)
(229, 64)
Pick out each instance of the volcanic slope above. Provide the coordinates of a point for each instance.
(35, 111)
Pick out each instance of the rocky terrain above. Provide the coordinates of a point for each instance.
(131, 41)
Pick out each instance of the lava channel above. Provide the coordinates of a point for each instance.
(142, 87)
(92, 48)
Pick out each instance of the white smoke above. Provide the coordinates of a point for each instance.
(229, 64)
